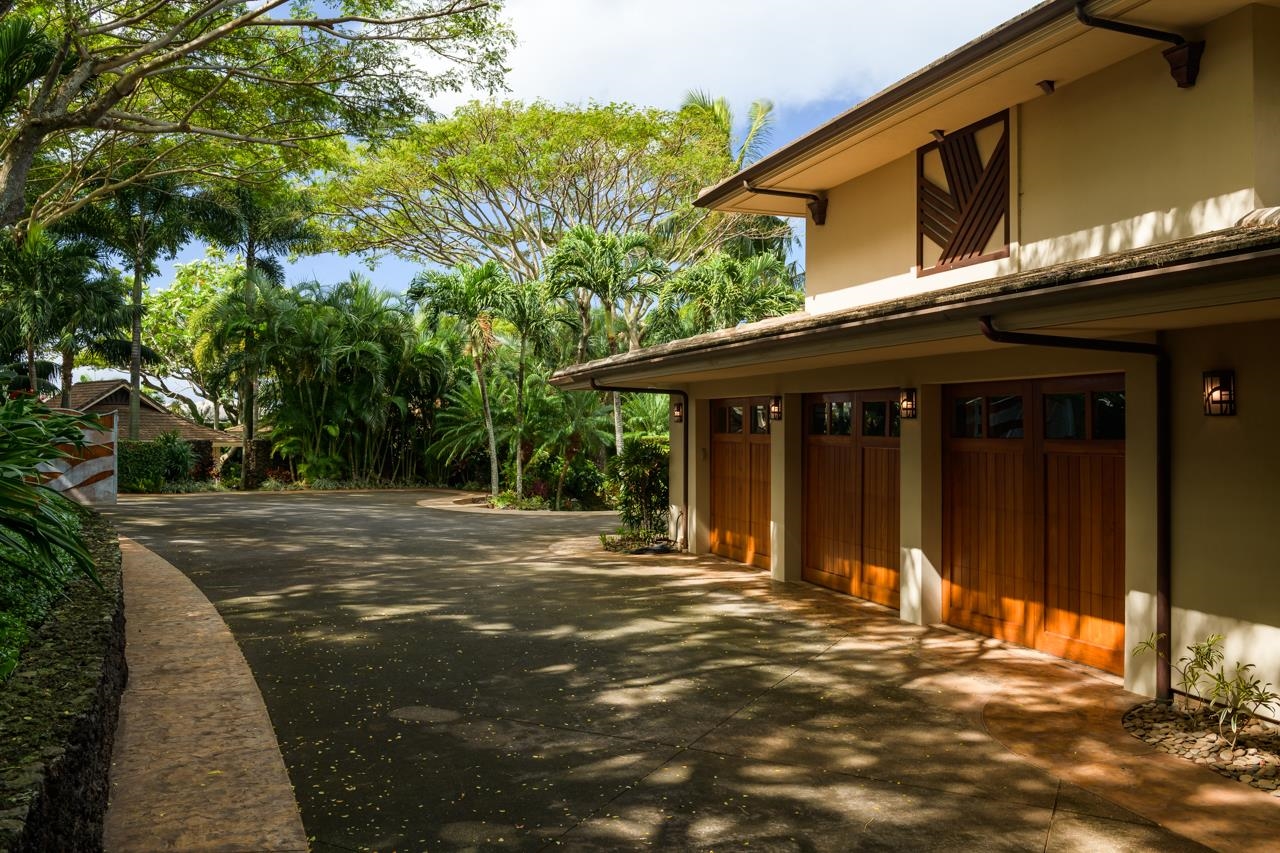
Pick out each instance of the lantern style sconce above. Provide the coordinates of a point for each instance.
(907, 404)
(1220, 392)
(677, 411)
(775, 408)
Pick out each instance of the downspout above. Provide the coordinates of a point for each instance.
(683, 523)
(1164, 466)
(1183, 57)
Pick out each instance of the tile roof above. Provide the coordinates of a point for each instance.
(153, 421)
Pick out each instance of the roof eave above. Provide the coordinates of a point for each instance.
(951, 64)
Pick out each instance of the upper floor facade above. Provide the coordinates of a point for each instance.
(1047, 141)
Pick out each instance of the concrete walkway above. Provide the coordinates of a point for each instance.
(482, 681)
(196, 766)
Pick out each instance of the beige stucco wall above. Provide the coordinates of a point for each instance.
(1119, 159)
(1226, 496)
(1123, 158)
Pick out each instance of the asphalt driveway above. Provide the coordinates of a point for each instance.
(441, 679)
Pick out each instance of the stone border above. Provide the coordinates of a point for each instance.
(58, 711)
(1255, 759)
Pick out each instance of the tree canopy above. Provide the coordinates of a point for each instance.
(505, 181)
(83, 82)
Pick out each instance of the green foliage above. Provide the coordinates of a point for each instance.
(321, 467)
(721, 291)
(37, 531)
(1231, 699)
(505, 181)
(147, 466)
(638, 476)
(508, 500)
(26, 598)
(243, 89)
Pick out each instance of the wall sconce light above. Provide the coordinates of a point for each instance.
(677, 411)
(907, 404)
(775, 408)
(1220, 392)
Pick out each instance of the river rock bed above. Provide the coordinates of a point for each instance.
(1255, 760)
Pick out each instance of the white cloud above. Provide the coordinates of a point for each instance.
(797, 54)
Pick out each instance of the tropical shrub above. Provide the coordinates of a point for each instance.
(1231, 699)
(638, 477)
(147, 466)
(37, 529)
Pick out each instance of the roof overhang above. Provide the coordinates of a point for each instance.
(1169, 286)
(995, 71)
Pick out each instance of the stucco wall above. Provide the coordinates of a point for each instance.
(1120, 159)
(1124, 158)
(1226, 496)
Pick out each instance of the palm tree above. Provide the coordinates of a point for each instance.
(262, 223)
(140, 223)
(722, 291)
(41, 278)
(475, 297)
(535, 316)
(620, 272)
(759, 125)
(93, 322)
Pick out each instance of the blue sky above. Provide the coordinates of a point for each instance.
(813, 59)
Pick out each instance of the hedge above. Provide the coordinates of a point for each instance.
(58, 712)
(145, 466)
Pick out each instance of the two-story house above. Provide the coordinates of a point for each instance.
(1031, 391)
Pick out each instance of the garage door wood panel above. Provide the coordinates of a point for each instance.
(740, 481)
(851, 494)
(880, 510)
(1033, 532)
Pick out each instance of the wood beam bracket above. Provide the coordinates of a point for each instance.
(816, 202)
(1183, 57)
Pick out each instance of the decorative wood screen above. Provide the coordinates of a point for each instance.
(963, 196)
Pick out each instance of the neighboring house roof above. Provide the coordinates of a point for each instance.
(112, 395)
(1221, 255)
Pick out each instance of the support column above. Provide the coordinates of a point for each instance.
(678, 521)
(699, 475)
(920, 524)
(785, 499)
(1140, 514)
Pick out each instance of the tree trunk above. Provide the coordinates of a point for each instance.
(13, 175)
(584, 320)
(488, 425)
(247, 401)
(32, 380)
(68, 367)
(617, 422)
(520, 425)
(135, 356)
(216, 423)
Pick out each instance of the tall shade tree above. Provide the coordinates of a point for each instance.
(41, 276)
(475, 296)
(169, 327)
(93, 75)
(536, 316)
(139, 223)
(617, 270)
(261, 223)
(504, 182)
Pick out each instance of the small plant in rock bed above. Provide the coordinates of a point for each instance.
(1232, 700)
(508, 500)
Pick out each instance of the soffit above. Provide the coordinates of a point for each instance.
(866, 138)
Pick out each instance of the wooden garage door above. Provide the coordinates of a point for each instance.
(851, 493)
(740, 511)
(1033, 537)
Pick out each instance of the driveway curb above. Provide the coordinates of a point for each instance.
(196, 765)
